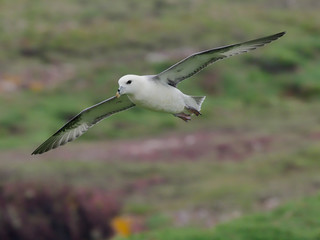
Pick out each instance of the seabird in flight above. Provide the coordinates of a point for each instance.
(155, 92)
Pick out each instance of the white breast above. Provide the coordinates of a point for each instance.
(159, 97)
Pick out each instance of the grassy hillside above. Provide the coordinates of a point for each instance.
(296, 220)
(63, 61)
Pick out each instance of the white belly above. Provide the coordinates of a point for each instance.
(159, 97)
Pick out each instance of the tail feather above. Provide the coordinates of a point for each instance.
(199, 100)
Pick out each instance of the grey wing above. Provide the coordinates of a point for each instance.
(196, 62)
(83, 121)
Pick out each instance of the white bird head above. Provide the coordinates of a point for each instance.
(128, 84)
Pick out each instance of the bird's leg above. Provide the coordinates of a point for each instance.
(185, 117)
(194, 111)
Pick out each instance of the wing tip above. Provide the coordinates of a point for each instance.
(36, 152)
(39, 150)
(277, 35)
(280, 34)
(42, 148)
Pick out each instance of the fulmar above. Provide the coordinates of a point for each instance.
(155, 92)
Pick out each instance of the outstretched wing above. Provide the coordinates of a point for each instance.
(83, 121)
(196, 62)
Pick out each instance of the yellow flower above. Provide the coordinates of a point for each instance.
(122, 226)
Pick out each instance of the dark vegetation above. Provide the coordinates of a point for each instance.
(33, 211)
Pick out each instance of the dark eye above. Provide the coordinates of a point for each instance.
(129, 82)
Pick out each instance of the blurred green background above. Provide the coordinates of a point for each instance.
(255, 147)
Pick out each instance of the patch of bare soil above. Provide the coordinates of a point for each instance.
(221, 145)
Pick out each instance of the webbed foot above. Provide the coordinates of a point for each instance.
(192, 110)
(185, 117)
